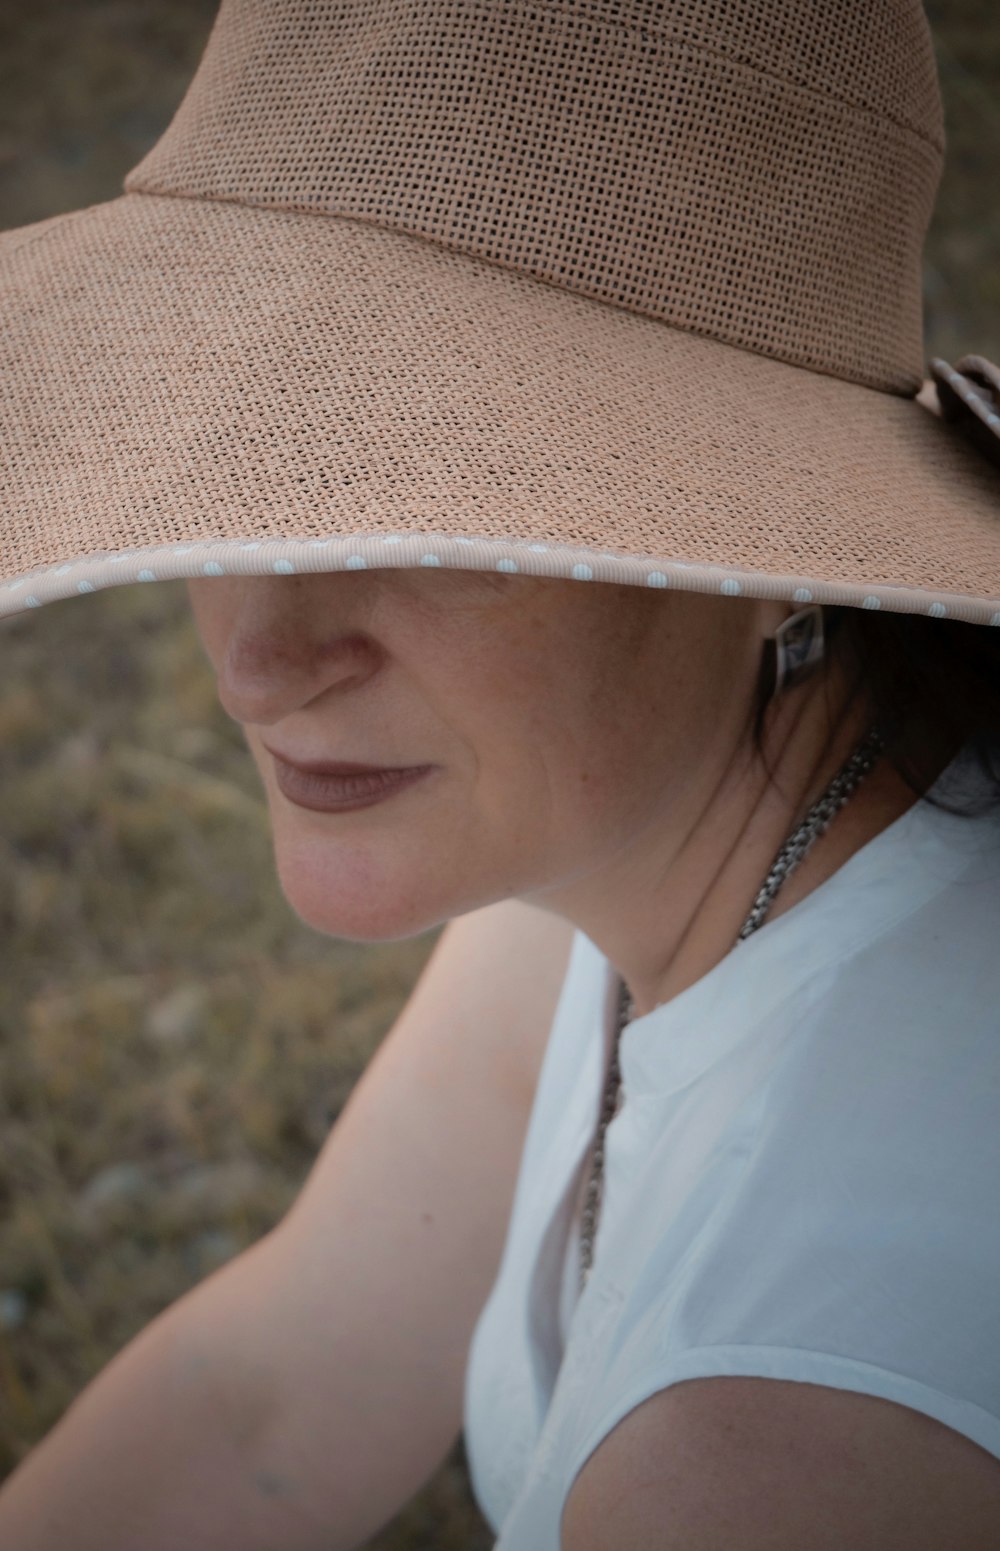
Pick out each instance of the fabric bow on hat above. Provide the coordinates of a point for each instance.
(969, 392)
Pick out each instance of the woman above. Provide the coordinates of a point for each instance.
(674, 1179)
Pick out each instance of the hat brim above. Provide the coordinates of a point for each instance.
(197, 387)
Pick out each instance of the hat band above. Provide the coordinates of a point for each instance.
(622, 162)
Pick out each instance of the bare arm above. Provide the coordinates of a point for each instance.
(302, 1394)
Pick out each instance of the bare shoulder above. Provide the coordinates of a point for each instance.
(770, 1463)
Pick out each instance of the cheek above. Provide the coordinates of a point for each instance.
(620, 721)
(544, 728)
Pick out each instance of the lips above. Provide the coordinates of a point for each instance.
(330, 786)
(332, 767)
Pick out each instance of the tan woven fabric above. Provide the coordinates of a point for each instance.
(615, 291)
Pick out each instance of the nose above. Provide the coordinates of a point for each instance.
(286, 645)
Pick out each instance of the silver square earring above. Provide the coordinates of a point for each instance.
(798, 647)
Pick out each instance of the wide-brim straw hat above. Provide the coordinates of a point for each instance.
(621, 291)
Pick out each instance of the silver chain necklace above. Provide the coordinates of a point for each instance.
(844, 783)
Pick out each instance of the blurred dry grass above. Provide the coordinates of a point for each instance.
(174, 1044)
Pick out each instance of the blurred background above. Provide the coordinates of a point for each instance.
(174, 1043)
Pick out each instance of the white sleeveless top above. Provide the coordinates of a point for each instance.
(802, 1182)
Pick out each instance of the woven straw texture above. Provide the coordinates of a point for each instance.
(612, 291)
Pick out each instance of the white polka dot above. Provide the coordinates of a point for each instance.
(357, 563)
(84, 586)
(430, 560)
(117, 559)
(147, 576)
(506, 565)
(13, 586)
(33, 602)
(540, 549)
(871, 602)
(394, 538)
(320, 543)
(656, 579)
(937, 611)
(284, 567)
(184, 550)
(802, 595)
(213, 568)
(731, 587)
(996, 618)
(62, 570)
(465, 541)
(251, 544)
(582, 573)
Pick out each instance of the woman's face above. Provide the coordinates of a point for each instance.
(567, 723)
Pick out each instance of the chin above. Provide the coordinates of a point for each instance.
(350, 891)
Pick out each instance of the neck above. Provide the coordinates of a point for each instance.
(667, 916)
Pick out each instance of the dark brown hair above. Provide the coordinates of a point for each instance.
(927, 682)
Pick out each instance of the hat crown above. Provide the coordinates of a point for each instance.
(760, 173)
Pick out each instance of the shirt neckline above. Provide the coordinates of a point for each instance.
(888, 878)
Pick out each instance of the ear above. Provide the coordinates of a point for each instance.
(771, 615)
